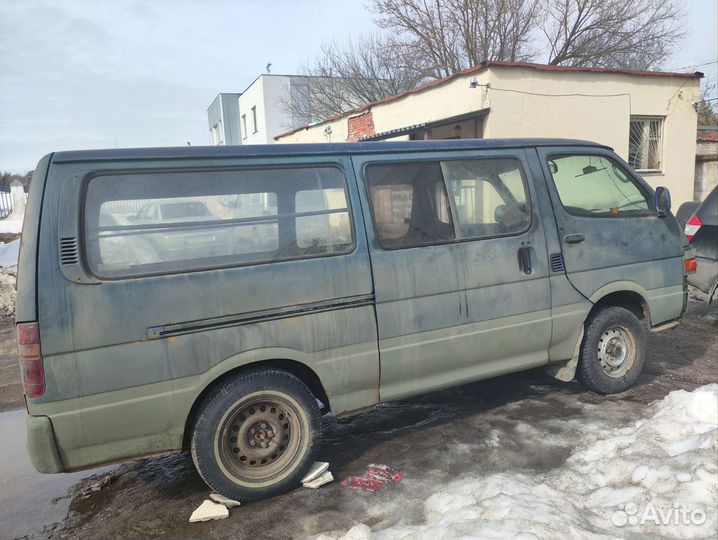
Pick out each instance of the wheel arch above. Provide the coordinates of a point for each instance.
(626, 294)
(299, 369)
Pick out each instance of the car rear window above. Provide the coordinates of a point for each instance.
(166, 222)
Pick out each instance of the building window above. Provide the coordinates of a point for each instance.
(217, 134)
(254, 119)
(645, 151)
(244, 126)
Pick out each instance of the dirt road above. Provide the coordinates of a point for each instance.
(432, 439)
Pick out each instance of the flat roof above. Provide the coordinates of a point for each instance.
(261, 150)
(486, 65)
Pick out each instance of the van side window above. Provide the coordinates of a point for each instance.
(163, 222)
(592, 185)
(489, 196)
(409, 203)
(411, 207)
(327, 226)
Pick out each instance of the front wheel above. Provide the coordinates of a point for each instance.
(256, 435)
(613, 352)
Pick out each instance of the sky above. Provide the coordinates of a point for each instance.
(78, 74)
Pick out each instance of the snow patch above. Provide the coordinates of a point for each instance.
(9, 253)
(655, 478)
(208, 511)
(10, 225)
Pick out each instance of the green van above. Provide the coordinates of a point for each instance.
(222, 299)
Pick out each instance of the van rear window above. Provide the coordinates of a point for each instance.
(167, 222)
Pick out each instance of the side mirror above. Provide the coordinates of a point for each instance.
(662, 201)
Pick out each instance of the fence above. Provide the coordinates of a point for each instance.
(7, 204)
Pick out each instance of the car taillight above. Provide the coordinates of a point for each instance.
(31, 370)
(692, 227)
(690, 265)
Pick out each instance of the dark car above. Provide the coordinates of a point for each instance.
(700, 221)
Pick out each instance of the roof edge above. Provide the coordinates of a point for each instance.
(260, 150)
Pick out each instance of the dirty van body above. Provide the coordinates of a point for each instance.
(221, 299)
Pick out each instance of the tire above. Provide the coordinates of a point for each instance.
(685, 211)
(256, 435)
(613, 352)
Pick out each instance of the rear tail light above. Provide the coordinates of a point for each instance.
(28, 347)
(690, 265)
(692, 227)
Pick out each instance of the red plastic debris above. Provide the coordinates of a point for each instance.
(374, 478)
(362, 482)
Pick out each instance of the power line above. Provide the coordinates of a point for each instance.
(697, 65)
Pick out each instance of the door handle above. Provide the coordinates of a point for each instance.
(524, 254)
(574, 238)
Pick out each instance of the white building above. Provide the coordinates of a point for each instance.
(260, 113)
(223, 118)
(648, 118)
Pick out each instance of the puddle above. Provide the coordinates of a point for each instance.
(28, 500)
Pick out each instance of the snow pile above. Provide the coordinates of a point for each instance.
(8, 225)
(8, 275)
(656, 478)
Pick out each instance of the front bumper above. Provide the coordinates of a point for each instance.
(42, 446)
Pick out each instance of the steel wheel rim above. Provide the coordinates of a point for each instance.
(616, 351)
(270, 420)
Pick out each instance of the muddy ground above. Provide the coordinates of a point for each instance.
(432, 439)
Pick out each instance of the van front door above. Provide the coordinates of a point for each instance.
(611, 236)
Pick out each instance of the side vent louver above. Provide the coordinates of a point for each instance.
(557, 263)
(68, 251)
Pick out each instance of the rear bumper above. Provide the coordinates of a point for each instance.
(42, 446)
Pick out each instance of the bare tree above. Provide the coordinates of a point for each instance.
(707, 106)
(431, 39)
(349, 75)
(456, 34)
(638, 34)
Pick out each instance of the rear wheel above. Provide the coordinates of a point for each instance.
(256, 435)
(613, 352)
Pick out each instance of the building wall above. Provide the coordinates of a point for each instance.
(223, 119)
(527, 102)
(540, 105)
(230, 114)
(214, 120)
(267, 94)
(360, 126)
(706, 164)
